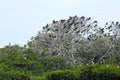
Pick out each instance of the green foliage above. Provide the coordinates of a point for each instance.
(104, 72)
(60, 75)
(27, 64)
(54, 63)
(91, 72)
(78, 40)
(13, 75)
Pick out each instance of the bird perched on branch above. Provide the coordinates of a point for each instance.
(95, 22)
(88, 18)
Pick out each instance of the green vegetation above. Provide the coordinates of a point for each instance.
(73, 49)
(91, 72)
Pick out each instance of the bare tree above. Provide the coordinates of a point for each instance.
(78, 39)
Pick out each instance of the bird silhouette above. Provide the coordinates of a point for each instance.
(82, 17)
(95, 25)
(88, 18)
(46, 26)
(48, 29)
(102, 30)
(78, 31)
(75, 28)
(81, 22)
(76, 23)
(109, 26)
(117, 23)
(88, 26)
(62, 21)
(88, 38)
(54, 21)
(43, 27)
(106, 23)
(112, 22)
(95, 22)
(64, 26)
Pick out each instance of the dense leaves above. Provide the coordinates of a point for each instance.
(91, 72)
(21, 64)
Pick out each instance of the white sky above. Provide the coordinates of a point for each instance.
(21, 19)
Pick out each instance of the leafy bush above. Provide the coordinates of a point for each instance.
(106, 72)
(13, 76)
(54, 63)
(91, 72)
(61, 75)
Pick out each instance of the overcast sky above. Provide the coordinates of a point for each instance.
(21, 19)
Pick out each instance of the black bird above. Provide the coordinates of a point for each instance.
(102, 30)
(70, 18)
(112, 22)
(82, 17)
(88, 26)
(81, 22)
(76, 41)
(69, 27)
(54, 21)
(76, 23)
(63, 21)
(95, 25)
(117, 23)
(75, 28)
(95, 22)
(88, 38)
(88, 18)
(43, 27)
(83, 25)
(106, 23)
(48, 29)
(78, 31)
(75, 16)
(64, 26)
(109, 27)
(46, 26)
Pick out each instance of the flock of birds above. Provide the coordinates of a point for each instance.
(79, 27)
(74, 25)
